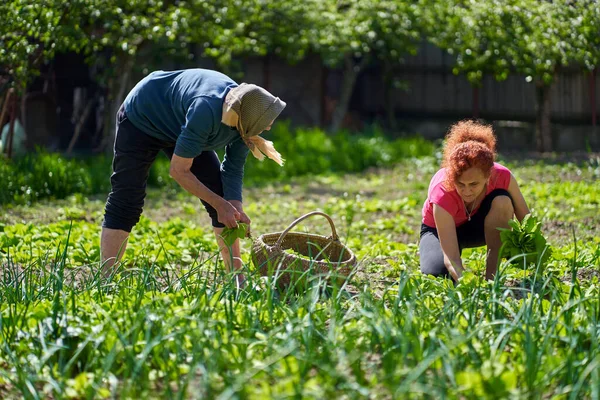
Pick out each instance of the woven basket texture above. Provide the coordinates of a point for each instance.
(325, 257)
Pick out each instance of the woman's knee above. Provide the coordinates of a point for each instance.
(118, 221)
(502, 205)
(123, 210)
(431, 257)
(434, 269)
(432, 262)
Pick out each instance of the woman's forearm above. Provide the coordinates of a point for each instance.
(188, 181)
(454, 266)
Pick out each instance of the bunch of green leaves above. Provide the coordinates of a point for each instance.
(525, 238)
(229, 235)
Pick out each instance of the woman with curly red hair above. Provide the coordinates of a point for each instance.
(468, 200)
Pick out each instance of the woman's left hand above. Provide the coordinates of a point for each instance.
(243, 216)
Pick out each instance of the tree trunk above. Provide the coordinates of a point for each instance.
(351, 71)
(117, 91)
(5, 106)
(81, 120)
(543, 126)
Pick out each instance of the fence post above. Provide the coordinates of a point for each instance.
(267, 72)
(11, 127)
(593, 95)
(475, 102)
(5, 109)
(5, 106)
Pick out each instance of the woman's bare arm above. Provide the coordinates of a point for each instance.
(448, 240)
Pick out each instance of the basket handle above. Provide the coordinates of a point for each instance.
(334, 235)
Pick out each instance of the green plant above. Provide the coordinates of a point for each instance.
(170, 323)
(525, 239)
(230, 235)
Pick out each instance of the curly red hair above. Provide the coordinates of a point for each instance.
(468, 144)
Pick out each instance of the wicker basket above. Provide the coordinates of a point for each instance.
(327, 256)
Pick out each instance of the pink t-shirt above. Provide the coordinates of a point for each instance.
(452, 202)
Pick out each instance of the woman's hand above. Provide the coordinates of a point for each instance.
(240, 208)
(228, 214)
(455, 271)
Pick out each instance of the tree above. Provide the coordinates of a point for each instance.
(398, 28)
(117, 32)
(252, 28)
(110, 32)
(463, 28)
(541, 45)
(352, 33)
(30, 35)
(121, 31)
(529, 37)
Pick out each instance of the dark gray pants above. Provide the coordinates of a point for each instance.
(134, 153)
(470, 234)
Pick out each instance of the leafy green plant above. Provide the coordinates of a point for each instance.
(230, 235)
(169, 323)
(525, 238)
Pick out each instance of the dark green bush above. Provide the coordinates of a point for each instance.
(40, 174)
(313, 151)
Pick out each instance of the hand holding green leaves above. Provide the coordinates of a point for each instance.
(229, 235)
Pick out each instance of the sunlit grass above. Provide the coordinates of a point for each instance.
(170, 323)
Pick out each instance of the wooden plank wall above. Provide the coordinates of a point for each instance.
(434, 90)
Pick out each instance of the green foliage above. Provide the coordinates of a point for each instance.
(530, 37)
(586, 26)
(168, 322)
(252, 28)
(107, 31)
(31, 33)
(311, 151)
(230, 235)
(525, 238)
(547, 43)
(365, 30)
(307, 151)
(41, 175)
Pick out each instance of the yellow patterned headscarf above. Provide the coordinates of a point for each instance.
(256, 109)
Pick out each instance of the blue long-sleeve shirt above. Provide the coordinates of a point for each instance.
(186, 107)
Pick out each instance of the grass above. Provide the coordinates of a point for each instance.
(170, 322)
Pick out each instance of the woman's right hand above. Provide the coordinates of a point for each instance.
(228, 215)
(455, 271)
